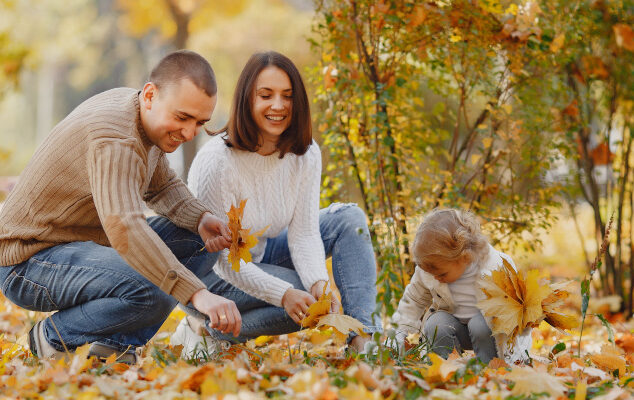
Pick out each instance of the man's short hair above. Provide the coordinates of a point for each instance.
(185, 64)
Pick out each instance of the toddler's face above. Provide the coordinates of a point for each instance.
(447, 271)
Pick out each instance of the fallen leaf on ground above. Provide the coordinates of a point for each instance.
(528, 380)
(343, 324)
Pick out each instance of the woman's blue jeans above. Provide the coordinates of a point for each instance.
(99, 298)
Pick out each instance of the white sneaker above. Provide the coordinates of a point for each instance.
(196, 345)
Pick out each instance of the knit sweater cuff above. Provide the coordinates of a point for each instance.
(185, 285)
(311, 276)
(189, 215)
(276, 292)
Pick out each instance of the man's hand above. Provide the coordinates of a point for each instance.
(214, 232)
(296, 303)
(223, 314)
(318, 289)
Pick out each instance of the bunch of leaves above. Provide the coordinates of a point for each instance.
(242, 240)
(319, 315)
(515, 301)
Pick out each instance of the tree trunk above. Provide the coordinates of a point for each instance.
(181, 19)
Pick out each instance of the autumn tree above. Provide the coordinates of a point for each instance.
(175, 21)
(592, 91)
(419, 106)
(13, 54)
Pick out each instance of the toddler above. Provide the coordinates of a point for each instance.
(451, 255)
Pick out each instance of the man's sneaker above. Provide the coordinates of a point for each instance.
(103, 351)
(190, 333)
(39, 346)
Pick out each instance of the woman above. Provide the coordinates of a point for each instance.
(266, 155)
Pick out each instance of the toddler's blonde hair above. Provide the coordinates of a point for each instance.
(448, 235)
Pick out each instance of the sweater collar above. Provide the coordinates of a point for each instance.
(139, 125)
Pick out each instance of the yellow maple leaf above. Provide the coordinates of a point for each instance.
(440, 369)
(316, 310)
(242, 241)
(514, 301)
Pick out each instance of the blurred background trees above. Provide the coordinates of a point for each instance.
(518, 110)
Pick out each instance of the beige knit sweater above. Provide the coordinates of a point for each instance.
(89, 180)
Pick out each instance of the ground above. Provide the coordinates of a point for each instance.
(310, 365)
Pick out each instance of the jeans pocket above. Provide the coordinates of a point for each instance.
(27, 294)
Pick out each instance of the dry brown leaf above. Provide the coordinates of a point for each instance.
(364, 375)
(626, 342)
(525, 379)
(624, 36)
(609, 362)
(497, 363)
(344, 324)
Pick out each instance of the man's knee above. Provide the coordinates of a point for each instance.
(148, 298)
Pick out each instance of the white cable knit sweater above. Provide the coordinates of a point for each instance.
(282, 193)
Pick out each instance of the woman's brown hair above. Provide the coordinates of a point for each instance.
(243, 132)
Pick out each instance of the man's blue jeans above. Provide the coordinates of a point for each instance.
(100, 298)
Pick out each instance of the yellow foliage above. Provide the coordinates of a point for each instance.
(317, 309)
(517, 301)
(141, 16)
(242, 241)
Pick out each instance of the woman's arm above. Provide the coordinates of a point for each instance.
(304, 239)
(206, 183)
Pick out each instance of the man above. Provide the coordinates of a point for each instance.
(73, 236)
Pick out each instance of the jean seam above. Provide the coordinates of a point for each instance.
(146, 305)
(87, 267)
(30, 282)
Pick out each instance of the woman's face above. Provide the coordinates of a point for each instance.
(272, 103)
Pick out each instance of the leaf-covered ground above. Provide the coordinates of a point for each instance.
(309, 365)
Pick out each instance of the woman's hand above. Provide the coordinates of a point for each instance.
(214, 233)
(318, 289)
(296, 303)
(223, 314)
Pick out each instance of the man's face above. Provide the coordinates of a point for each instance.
(174, 114)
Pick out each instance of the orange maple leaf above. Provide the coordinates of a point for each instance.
(242, 241)
(515, 301)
